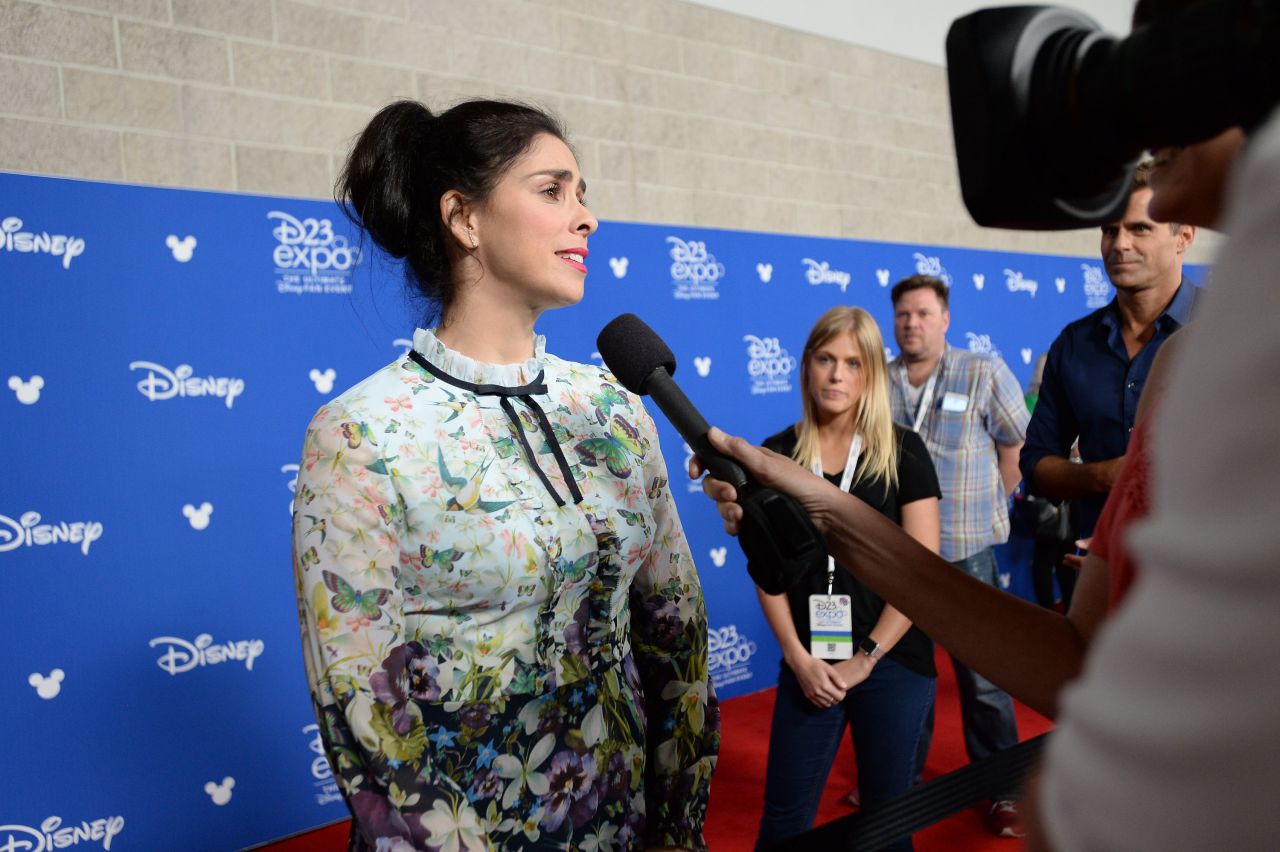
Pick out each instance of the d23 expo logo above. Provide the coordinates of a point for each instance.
(729, 654)
(309, 257)
(695, 272)
(326, 788)
(769, 365)
(932, 265)
(982, 344)
(1097, 290)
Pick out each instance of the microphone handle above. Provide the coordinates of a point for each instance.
(691, 425)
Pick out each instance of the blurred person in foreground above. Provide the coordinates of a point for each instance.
(1169, 739)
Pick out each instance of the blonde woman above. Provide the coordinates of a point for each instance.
(848, 658)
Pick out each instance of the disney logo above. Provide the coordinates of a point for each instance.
(58, 245)
(53, 835)
(28, 531)
(162, 383)
(1016, 282)
(690, 261)
(820, 272)
(183, 656)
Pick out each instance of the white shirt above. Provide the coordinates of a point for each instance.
(1171, 738)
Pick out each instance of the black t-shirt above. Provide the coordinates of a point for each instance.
(917, 480)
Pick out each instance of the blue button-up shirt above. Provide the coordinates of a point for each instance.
(1090, 390)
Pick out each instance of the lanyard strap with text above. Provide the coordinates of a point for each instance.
(926, 397)
(846, 478)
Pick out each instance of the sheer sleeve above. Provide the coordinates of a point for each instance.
(669, 638)
(363, 677)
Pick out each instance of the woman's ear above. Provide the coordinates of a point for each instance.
(455, 212)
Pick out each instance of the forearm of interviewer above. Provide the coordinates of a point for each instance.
(978, 623)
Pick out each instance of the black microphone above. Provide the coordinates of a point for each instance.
(779, 539)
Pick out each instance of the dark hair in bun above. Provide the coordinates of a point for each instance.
(407, 158)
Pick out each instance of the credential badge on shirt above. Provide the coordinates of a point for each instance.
(953, 401)
(831, 627)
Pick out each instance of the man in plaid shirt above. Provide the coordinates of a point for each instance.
(970, 411)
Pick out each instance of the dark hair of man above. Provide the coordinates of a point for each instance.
(919, 282)
(1142, 175)
(407, 158)
(1142, 180)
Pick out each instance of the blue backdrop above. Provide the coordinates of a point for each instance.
(162, 353)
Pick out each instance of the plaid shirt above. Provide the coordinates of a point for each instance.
(974, 510)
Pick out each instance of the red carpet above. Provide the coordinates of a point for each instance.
(738, 789)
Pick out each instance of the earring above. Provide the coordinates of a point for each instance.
(472, 235)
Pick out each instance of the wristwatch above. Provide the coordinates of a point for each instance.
(870, 647)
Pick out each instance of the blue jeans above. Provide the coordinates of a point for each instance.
(885, 714)
(985, 709)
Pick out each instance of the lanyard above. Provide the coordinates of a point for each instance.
(926, 397)
(846, 478)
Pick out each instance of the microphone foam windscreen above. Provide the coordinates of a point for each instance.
(632, 351)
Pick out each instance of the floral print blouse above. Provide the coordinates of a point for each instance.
(503, 631)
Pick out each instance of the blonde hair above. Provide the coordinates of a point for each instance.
(872, 419)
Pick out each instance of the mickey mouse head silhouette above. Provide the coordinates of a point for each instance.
(220, 793)
(29, 391)
(182, 248)
(47, 687)
(323, 381)
(199, 518)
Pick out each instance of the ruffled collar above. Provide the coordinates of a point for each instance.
(478, 372)
(521, 381)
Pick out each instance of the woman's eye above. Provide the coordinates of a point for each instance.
(552, 191)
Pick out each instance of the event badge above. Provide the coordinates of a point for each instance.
(831, 627)
(953, 401)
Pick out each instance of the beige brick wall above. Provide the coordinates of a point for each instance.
(682, 114)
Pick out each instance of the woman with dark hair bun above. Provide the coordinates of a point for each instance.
(503, 629)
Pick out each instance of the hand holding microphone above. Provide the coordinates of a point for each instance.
(769, 469)
(778, 537)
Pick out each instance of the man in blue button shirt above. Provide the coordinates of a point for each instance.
(1098, 365)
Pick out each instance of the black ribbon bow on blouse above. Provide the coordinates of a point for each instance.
(525, 393)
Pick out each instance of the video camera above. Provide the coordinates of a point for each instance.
(1050, 114)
